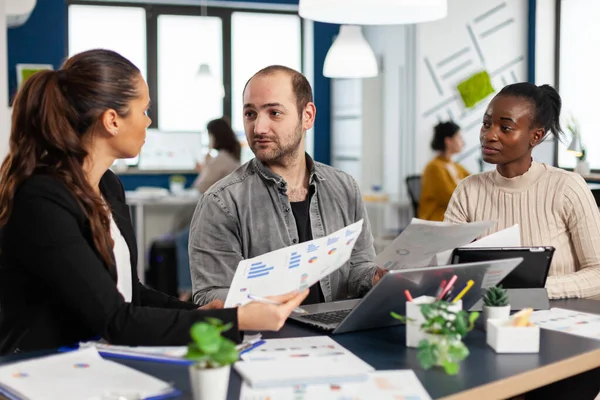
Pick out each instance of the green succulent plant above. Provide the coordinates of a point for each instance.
(496, 296)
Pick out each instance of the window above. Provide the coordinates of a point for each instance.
(187, 101)
(92, 27)
(578, 75)
(171, 44)
(254, 46)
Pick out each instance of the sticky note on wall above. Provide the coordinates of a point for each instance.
(475, 88)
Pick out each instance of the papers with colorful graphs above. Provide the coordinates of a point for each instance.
(305, 360)
(292, 268)
(380, 385)
(79, 374)
(568, 321)
(418, 245)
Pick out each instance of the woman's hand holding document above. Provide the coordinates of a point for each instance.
(421, 241)
(292, 269)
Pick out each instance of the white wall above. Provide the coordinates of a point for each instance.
(476, 35)
(390, 44)
(545, 33)
(4, 112)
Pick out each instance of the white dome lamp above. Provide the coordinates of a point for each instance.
(373, 12)
(209, 82)
(18, 12)
(350, 56)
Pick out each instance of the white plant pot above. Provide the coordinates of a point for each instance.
(582, 168)
(495, 313)
(209, 383)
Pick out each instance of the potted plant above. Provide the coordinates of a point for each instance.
(495, 304)
(582, 167)
(213, 355)
(444, 329)
(177, 184)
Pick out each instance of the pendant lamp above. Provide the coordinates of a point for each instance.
(350, 56)
(373, 12)
(208, 82)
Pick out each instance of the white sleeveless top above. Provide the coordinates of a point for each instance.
(121, 253)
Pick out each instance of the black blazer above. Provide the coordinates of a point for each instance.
(55, 289)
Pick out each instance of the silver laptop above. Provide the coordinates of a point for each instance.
(373, 310)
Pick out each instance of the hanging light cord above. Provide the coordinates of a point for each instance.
(203, 8)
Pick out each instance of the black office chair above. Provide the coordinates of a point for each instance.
(413, 184)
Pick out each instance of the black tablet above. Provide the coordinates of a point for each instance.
(531, 273)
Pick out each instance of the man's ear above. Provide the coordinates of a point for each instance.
(308, 116)
(111, 121)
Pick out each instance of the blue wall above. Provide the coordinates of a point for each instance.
(43, 40)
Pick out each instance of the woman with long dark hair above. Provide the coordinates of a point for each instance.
(67, 246)
(224, 140)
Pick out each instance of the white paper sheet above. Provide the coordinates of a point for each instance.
(422, 240)
(304, 360)
(292, 268)
(568, 321)
(302, 347)
(76, 375)
(381, 385)
(509, 237)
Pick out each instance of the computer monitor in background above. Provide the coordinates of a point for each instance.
(171, 150)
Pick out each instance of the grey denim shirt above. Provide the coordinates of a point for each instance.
(248, 214)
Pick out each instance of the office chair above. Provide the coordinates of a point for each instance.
(413, 184)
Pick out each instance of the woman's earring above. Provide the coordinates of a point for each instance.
(116, 132)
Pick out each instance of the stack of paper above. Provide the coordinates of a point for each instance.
(309, 360)
(380, 385)
(568, 321)
(427, 243)
(168, 354)
(79, 374)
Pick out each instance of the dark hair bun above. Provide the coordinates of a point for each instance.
(441, 132)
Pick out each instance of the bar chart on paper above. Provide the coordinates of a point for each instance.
(295, 260)
(259, 269)
(292, 268)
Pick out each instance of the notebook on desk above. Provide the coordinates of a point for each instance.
(373, 310)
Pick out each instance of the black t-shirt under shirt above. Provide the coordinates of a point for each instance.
(301, 213)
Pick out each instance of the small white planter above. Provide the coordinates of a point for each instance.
(500, 313)
(582, 167)
(209, 383)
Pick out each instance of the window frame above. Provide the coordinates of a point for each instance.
(153, 11)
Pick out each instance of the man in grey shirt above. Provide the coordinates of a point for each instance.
(279, 198)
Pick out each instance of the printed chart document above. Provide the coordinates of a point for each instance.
(418, 245)
(568, 321)
(174, 354)
(308, 360)
(509, 237)
(76, 375)
(168, 354)
(292, 268)
(380, 385)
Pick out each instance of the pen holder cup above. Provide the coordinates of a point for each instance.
(505, 338)
(414, 318)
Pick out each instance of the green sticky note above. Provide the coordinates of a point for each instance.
(475, 88)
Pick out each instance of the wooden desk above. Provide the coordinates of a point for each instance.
(483, 375)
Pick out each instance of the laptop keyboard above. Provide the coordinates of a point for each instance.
(329, 317)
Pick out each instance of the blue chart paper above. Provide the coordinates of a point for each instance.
(292, 268)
